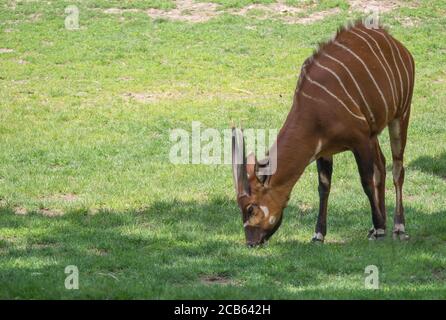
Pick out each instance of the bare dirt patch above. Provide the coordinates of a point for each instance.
(314, 17)
(119, 11)
(187, 10)
(368, 6)
(109, 274)
(125, 79)
(305, 208)
(68, 197)
(195, 12)
(47, 43)
(93, 211)
(409, 22)
(222, 280)
(145, 97)
(35, 17)
(20, 211)
(51, 212)
(97, 252)
(280, 11)
(275, 11)
(154, 97)
(40, 246)
(273, 8)
(335, 241)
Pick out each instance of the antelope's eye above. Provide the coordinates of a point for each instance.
(250, 209)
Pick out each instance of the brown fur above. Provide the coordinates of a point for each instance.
(339, 120)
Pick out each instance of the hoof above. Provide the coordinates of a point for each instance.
(376, 234)
(399, 232)
(318, 237)
(400, 235)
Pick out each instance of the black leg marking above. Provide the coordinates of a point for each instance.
(325, 170)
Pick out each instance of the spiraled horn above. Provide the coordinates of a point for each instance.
(239, 163)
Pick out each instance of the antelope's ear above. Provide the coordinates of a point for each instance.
(251, 163)
(253, 166)
(263, 178)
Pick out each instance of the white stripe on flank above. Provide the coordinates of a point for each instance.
(340, 82)
(407, 73)
(312, 98)
(356, 83)
(394, 61)
(368, 71)
(382, 65)
(410, 85)
(334, 96)
(404, 66)
(387, 62)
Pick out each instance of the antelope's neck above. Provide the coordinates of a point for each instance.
(296, 147)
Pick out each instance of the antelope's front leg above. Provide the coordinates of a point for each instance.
(325, 170)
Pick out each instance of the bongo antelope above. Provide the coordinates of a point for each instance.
(348, 91)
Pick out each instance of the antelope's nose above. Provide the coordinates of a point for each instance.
(252, 244)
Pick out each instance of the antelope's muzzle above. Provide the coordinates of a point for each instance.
(255, 236)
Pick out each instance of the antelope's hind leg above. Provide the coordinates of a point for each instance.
(324, 170)
(398, 135)
(371, 166)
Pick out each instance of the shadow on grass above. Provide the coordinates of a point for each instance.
(164, 251)
(432, 165)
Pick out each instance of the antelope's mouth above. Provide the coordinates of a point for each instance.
(253, 244)
(256, 236)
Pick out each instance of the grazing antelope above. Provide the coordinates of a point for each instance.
(348, 91)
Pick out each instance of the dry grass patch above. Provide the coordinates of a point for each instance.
(367, 6)
(145, 97)
(67, 197)
(51, 212)
(314, 17)
(20, 211)
(97, 252)
(216, 279)
(195, 12)
(185, 10)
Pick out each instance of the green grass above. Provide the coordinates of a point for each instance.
(73, 142)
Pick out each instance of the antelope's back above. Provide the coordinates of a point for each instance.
(364, 72)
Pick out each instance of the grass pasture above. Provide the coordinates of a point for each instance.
(85, 178)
